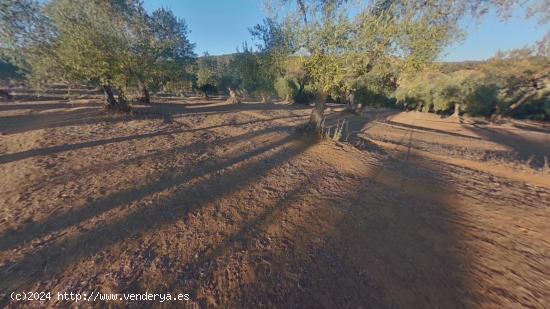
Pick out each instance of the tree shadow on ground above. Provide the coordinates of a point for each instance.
(58, 118)
(92, 114)
(34, 230)
(190, 103)
(383, 259)
(46, 106)
(380, 238)
(176, 109)
(525, 149)
(533, 127)
(68, 147)
(58, 255)
(367, 243)
(356, 126)
(431, 130)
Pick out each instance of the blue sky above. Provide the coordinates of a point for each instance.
(217, 26)
(220, 26)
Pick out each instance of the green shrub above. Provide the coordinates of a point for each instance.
(446, 95)
(367, 97)
(286, 88)
(482, 100)
(421, 90)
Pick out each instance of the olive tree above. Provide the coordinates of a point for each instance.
(23, 28)
(295, 70)
(207, 74)
(93, 44)
(257, 70)
(161, 50)
(523, 79)
(112, 44)
(344, 50)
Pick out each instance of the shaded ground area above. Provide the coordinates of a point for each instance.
(473, 139)
(229, 204)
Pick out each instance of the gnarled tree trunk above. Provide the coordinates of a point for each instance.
(456, 113)
(351, 106)
(315, 124)
(523, 100)
(233, 96)
(145, 96)
(301, 89)
(289, 99)
(122, 105)
(420, 106)
(265, 98)
(110, 101)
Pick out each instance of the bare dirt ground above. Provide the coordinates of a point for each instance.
(229, 204)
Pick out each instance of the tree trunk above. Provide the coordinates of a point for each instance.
(122, 102)
(233, 97)
(351, 103)
(456, 113)
(265, 98)
(457, 110)
(522, 101)
(122, 97)
(288, 99)
(145, 97)
(315, 124)
(316, 117)
(430, 108)
(110, 101)
(300, 94)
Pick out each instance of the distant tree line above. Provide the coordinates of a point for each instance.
(515, 84)
(384, 54)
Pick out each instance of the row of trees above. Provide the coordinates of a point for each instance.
(318, 50)
(253, 70)
(112, 44)
(513, 84)
(118, 46)
(383, 55)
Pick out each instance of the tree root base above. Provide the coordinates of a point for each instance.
(233, 100)
(309, 131)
